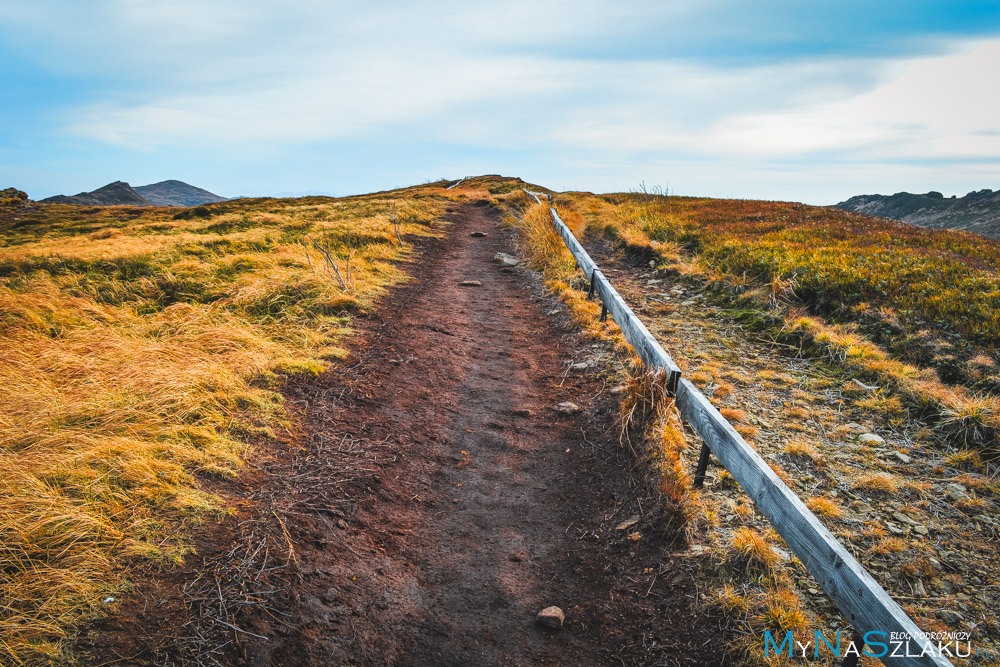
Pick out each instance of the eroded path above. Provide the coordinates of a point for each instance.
(432, 501)
(469, 532)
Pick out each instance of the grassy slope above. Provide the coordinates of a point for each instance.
(140, 353)
(831, 284)
(912, 309)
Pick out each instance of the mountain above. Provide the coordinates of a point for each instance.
(177, 193)
(113, 194)
(975, 212)
(120, 193)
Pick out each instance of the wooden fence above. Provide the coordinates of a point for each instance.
(863, 602)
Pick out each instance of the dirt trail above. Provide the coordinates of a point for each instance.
(433, 501)
(470, 527)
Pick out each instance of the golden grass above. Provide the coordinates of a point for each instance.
(733, 414)
(749, 550)
(141, 348)
(888, 545)
(803, 450)
(824, 506)
(723, 390)
(927, 285)
(877, 483)
(782, 612)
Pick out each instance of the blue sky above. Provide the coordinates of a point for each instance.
(806, 101)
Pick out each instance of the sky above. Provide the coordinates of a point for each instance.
(772, 99)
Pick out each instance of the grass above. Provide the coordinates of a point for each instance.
(879, 483)
(803, 451)
(824, 506)
(750, 551)
(911, 309)
(142, 349)
(902, 367)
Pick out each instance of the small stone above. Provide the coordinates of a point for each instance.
(894, 529)
(455, 501)
(899, 516)
(688, 302)
(856, 427)
(581, 366)
(620, 389)
(342, 524)
(505, 259)
(919, 590)
(108, 600)
(470, 283)
(554, 311)
(478, 235)
(567, 408)
(955, 491)
(871, 437)
(903, 458)
(552, 617)
(635, 537)
(950, 617)
(628, 523)
(524, 412)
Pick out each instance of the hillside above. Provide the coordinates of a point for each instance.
(975, 212)
(142, 354)
(203, 436)
(118, 193)
(177, 193)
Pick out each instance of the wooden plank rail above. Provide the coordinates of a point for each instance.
(867, 606)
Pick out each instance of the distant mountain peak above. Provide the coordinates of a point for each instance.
(177, 193)
(978, 211)
(119, 193)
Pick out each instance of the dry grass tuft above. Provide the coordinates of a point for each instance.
(748, 550)
(970, 420)
(824, 506)
(803, 450)
(723, 390)
(877, 483)
(889, 545)
(782, 612)
(733, 414)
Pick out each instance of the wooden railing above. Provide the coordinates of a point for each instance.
(866, 605)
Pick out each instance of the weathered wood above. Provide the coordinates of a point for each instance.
(458, 182)
(534, 195)
(583, 260)
(636, 333)
(864, 603)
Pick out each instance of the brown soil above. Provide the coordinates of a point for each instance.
(431, 501)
